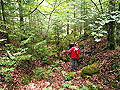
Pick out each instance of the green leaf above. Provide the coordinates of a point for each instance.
(97, 40)
(100, 35)
(3, 31)
(78, 77)
(24, 57)
(91, 25)
(1, 40)
(93, 33)
(88, 82)
(84, 88)
(2, 88)
(51, 74)
(118, 21)
(63, 73)
(114, 17)
(102, 22)
(101, 87)
(81, 21)
(12, 57)
(62, 89)
(95, 86)
(65, 85)
(73, 87)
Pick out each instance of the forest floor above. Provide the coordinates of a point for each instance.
(56, 80)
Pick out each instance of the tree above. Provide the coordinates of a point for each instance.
(4, 20)
(111, 27)
(118, 30)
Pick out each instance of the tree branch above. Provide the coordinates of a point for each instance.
(95, 5)
(101, 6)
(35, 8)
(51, 14)
(41, 13)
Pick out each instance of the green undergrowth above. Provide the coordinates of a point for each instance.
(91, 60)
(93, 87)
(68, 76)
(40, 73)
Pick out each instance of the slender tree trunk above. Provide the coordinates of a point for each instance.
(101, 6)
(3, 16)
(74, 17)
(0, 15)
(111, 28)
(68, 24)
(118, 31)
(21, 14)
(67, 28)
(30, 19)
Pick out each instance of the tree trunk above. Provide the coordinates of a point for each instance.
(3, 16)
(118, 31)
(67, 28)
(21, 15)
(74, 31)
(111, 28)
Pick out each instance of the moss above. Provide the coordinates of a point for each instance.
(89, 70)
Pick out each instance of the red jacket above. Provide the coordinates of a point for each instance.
(73, 53)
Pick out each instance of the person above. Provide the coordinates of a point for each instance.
(75, 51)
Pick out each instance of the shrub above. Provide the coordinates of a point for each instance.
(40, 73)
(68, 76)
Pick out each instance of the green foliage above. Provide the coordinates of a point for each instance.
(58, 63)
(10, 60)
(37, 49)
(81, 45)
(88, 52)
(42, 51)
(24, 57)
(89, 70)
(91, 60)
(25, 79)
(83, 88)
(2, 88)
(93, 87)
(40, 73)
(68, 76)
(70, 86)
(51, 74)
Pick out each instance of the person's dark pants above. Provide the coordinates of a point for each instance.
(74, 64)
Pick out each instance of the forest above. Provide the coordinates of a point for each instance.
(34, 34)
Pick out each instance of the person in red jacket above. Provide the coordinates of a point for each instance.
(75, 51)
